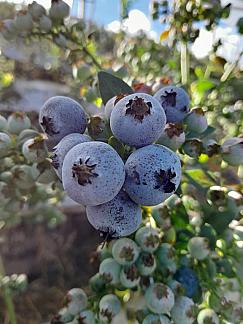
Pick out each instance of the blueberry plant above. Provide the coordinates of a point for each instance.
(168, 255)
(159, 182)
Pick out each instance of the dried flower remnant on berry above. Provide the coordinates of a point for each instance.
(84, 172)
(119, 97)
(138, 108)
(48, 126)
(168, 99)
(148, 259)
(161, 291)
(132, 272)
(163, 180)
(173, 130)
(127, 253)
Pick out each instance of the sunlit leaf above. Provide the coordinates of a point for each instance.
(164, 35)
(200, 176)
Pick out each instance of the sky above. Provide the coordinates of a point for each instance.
(107, 12)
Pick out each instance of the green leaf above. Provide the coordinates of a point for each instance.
(117, 145)
(111, 86)
(200, 177)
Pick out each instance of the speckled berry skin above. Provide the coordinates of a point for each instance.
(60, 116)
(92, 173)
(175, 102)
(188, 279)
(137, 120)
(153, 174)
(118, 217)
(159, 298)
(158, 319)
(63, 147)
(183, 311)
(206, 316)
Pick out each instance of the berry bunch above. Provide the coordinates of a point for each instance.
(113, 187)
(26, 174)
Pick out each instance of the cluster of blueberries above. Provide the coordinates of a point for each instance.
(92, 172)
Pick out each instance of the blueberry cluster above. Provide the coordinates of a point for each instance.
(144, 268)
(112, 187)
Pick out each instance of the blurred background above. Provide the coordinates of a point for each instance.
(46, 244)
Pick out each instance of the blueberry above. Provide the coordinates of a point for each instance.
(17, 122)
(198, 247)
(125, 251)
(36, 10)
(110, 271)
(93, 174)
(63, 147)
(188, 278)
(58, 11)
(118, 217)
(111, 104)
(109, 307)
(86, 317)
(76, 300)
(34, 149)
(196, 120)
(23, 22)
(173, 136)
(166, 258)
(45, 24)
(175, 102)
(159, 298)
(129, 276)
(153, 174)
(148, 238)
(232, 151)
(146, 263)
(183, 311)
(5, 143)
(207, 316)
(156, 319)
(60, 116)
(3, 124)
(137, 120)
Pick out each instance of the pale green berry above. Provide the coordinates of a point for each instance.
(3, 193)
(109, 307)
(5, 144)
(64, 316)
(9, 29)
(24, 176)
(196, 120)
(146, 263)
(17, 122)
(232, 151)
(125, 251)
(156, 319)
(25, 135)
(129, 276)
(183, 311)
(23, 23)
(173, 136)
(76, 301)
(148, 238)
(3, 124)
(45, 24)
(34, 149)
(207, 316)
(110, 271)
(87, 317)
(198, 247)
(159, 298)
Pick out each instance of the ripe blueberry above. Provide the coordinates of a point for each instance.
(60, 116)
(93, 173)
(175, 102)
(137, 120)
(63, 147)
(116, 218)
(153, 174)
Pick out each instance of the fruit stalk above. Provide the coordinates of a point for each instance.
(184, 63)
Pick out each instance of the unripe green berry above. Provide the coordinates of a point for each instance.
(110, 271)
(17, 122)
(198, 247)
(109, 307)
(148, 238)
(146, 263)
(159, 298)
(196, 120)
(129, 276)
(125, 251)
(207, 316)
(5, 144)
(3, 124)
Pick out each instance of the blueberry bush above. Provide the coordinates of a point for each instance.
(155, 155)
